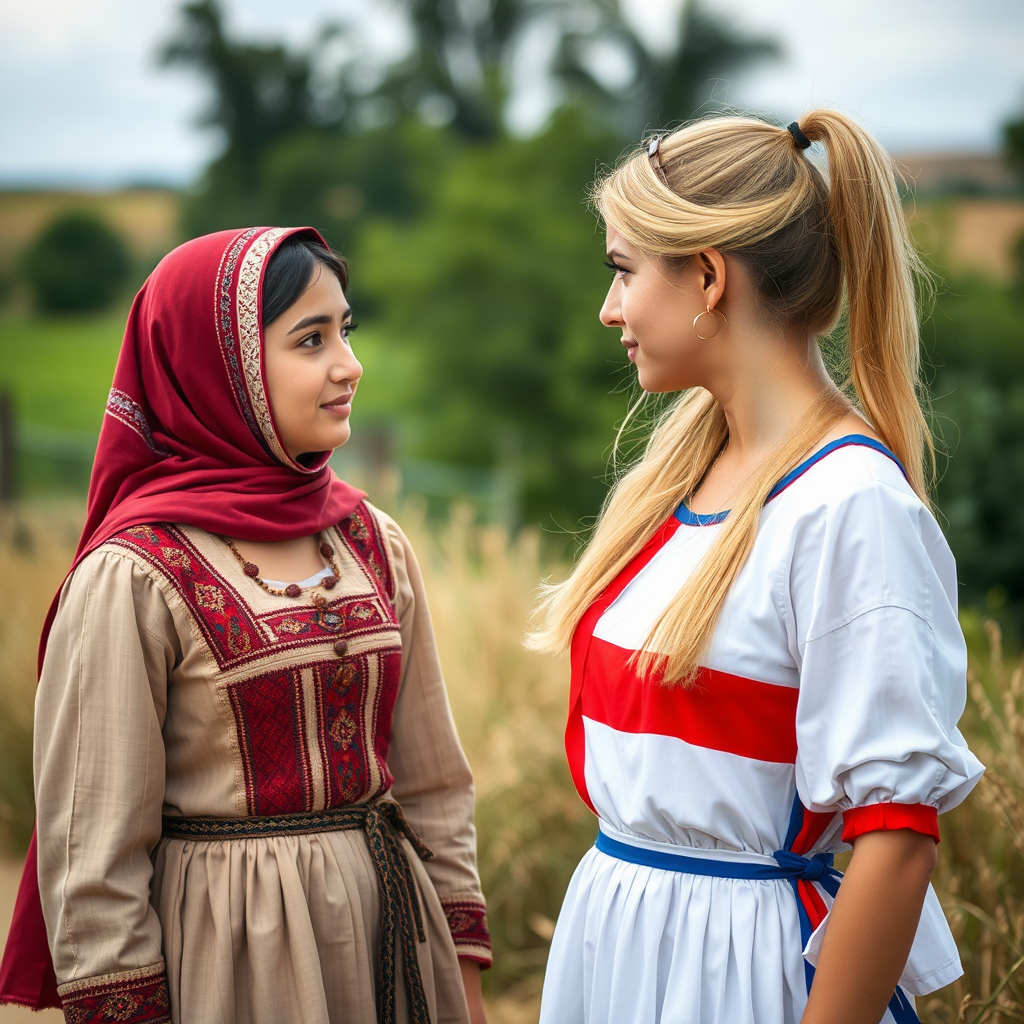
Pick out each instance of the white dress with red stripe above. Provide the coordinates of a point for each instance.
(827, 708)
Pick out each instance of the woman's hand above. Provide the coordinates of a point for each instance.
(474, 996)
(871, 928)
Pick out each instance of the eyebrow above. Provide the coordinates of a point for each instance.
(319, 318)
(615, 254)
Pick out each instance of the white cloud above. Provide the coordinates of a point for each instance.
(81, 96)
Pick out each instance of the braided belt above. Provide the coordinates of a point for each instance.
(401, 920)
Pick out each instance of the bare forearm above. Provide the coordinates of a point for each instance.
(474, 997)
(871, 928)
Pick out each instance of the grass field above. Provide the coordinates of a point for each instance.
(59, 370)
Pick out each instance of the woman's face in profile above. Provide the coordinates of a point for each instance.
(654, 306)
(311, 371)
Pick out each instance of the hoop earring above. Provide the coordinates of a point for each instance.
(718, 323)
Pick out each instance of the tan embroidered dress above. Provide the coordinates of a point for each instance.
(175, 686)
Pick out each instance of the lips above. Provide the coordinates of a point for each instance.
(340, 406)
(631, 348)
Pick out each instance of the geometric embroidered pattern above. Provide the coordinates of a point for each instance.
(235, 633)
(467, 921)
(364, 538)
(123, 408)
(136, 999)
(314, 735)
(249, 343)
(271, 723)
(271, 737)
(227, 338)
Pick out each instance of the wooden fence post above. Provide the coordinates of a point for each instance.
(8, 452)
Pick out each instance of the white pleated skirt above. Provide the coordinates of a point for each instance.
(642, 945)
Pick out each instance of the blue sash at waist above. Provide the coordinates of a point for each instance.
(788, 866)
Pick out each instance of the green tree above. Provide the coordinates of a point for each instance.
(976, 344)
(667, 86)
(495, 292)
(1013, 144)
(475, 249)
(78, 263)
(260, 94)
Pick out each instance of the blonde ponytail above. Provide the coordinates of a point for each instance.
(879, 264)
(742, 186)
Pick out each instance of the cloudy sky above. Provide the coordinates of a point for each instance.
(83, 101)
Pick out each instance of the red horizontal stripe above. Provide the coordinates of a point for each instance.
(575, 740)
(888, 816)
(719, 711)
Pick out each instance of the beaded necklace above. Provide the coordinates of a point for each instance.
(293, 589)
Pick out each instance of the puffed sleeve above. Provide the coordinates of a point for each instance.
(882, 663)
(99, 787)
(433, 782)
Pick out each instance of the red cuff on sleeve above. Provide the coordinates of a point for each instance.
(467, 921)
(888, 816)
(134, 997)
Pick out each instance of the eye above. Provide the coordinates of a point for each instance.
(616, 269)
(348, 329)
(311, 341)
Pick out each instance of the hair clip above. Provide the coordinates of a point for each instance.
(654, 155)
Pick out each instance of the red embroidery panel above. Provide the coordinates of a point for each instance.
(271, 738)
(232, 629)
(130, 1001)
(364, 538)
(338, 712)
(467, 921)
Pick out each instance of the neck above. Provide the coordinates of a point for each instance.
(769, 384)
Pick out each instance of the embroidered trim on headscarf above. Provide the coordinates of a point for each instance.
(226, 334)
(123, 408)
(247, 307)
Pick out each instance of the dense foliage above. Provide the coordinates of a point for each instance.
(975, 343)
(495, 291)
(471, 247)
(77, 263)
(476, 260)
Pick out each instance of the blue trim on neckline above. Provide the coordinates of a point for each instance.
(688, 518)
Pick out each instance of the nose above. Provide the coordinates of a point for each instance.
(611, 310)
(345, 366)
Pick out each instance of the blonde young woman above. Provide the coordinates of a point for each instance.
(766, 659)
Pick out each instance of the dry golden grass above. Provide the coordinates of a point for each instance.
(36, 547)
(510, 708)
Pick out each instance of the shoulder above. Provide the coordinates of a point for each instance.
(111, 578)
(858, 535)
(853, 487)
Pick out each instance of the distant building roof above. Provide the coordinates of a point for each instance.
(958, 173)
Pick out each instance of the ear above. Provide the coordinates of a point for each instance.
(712, 274)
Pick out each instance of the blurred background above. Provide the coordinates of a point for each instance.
(445, 147)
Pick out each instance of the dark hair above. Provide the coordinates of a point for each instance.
(290, 272)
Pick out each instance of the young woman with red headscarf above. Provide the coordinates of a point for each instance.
(252, 802)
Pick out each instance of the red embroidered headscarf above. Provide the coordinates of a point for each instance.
(188, 437)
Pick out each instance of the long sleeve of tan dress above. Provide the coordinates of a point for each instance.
(99, 768)
(433, 782)
(174, 686)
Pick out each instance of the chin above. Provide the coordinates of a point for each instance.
(663, 383)
(657, 386)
